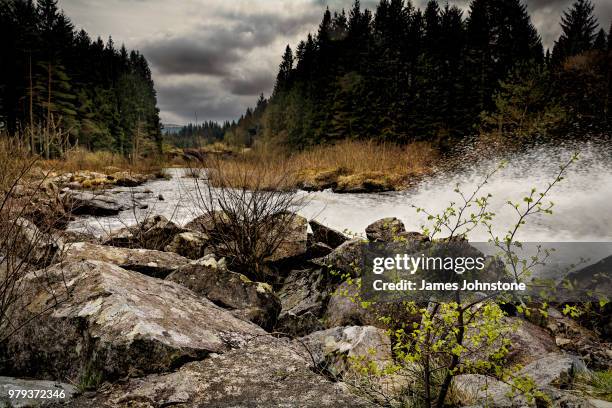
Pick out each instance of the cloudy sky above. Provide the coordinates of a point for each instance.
(214, 57)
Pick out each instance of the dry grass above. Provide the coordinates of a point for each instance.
(344, 166)
(368, 156)
(101, 161)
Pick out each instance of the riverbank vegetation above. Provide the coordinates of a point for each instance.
(348, 166)
(102, 161)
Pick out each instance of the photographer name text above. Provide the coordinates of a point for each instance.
(475, 286)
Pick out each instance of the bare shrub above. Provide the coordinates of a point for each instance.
(249, 212)
(25, 247)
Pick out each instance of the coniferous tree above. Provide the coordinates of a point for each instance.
(61, 90)
(578, 26)
(404, 74)
(284, 72)
(600, 43)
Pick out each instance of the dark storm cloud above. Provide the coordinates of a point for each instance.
(187, 56)
(252, 84)
(212, 50)
(204, 99)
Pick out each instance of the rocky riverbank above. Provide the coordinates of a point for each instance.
(149, 316)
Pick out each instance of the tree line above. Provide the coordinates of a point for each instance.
(60, 89)
(197, 135)
(403, 74)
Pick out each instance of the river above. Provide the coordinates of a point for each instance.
(582, 201)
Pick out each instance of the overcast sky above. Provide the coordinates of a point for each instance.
(214, 57)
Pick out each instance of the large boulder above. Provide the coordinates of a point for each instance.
(317, 249)
(99, 320)
(31, 244)
(37, 392)
(528, 341)
(128, 179)
(190, 244)
(96, 204)
(304, 296)
(386, 229)
(326, 235)
(155, 232)
(295, 240)
(343, 350)
(254, 301)
(552, 370)
(149, 262)
(345, 308)
(267, 372)
(345, 259)
(574, 338)
(206, 222)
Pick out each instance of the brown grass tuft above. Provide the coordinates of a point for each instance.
(101, 161)
(344, 165)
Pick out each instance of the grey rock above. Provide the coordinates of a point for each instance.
(191, 244)
(155, 232)
(318, 250)
(253, 301)
(31, 244)
(96, 204)
(336, 350)
(266, 373)
(115, 323)
(205, 223)
(304, 296)
(345, 309)
(294, 242)
(345, 259)
(149, 262)
(327, 235)
(553, 370)
(385, 229)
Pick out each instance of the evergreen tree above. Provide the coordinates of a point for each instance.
(62, 90)
(578, 26)
(284, 72)
(406, 74)
(600, 43)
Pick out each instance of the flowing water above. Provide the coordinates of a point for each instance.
(582, 201)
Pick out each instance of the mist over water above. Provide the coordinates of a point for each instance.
(582, 201)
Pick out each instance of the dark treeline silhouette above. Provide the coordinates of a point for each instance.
(60, 89)
(198, 135)
(403, 74)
